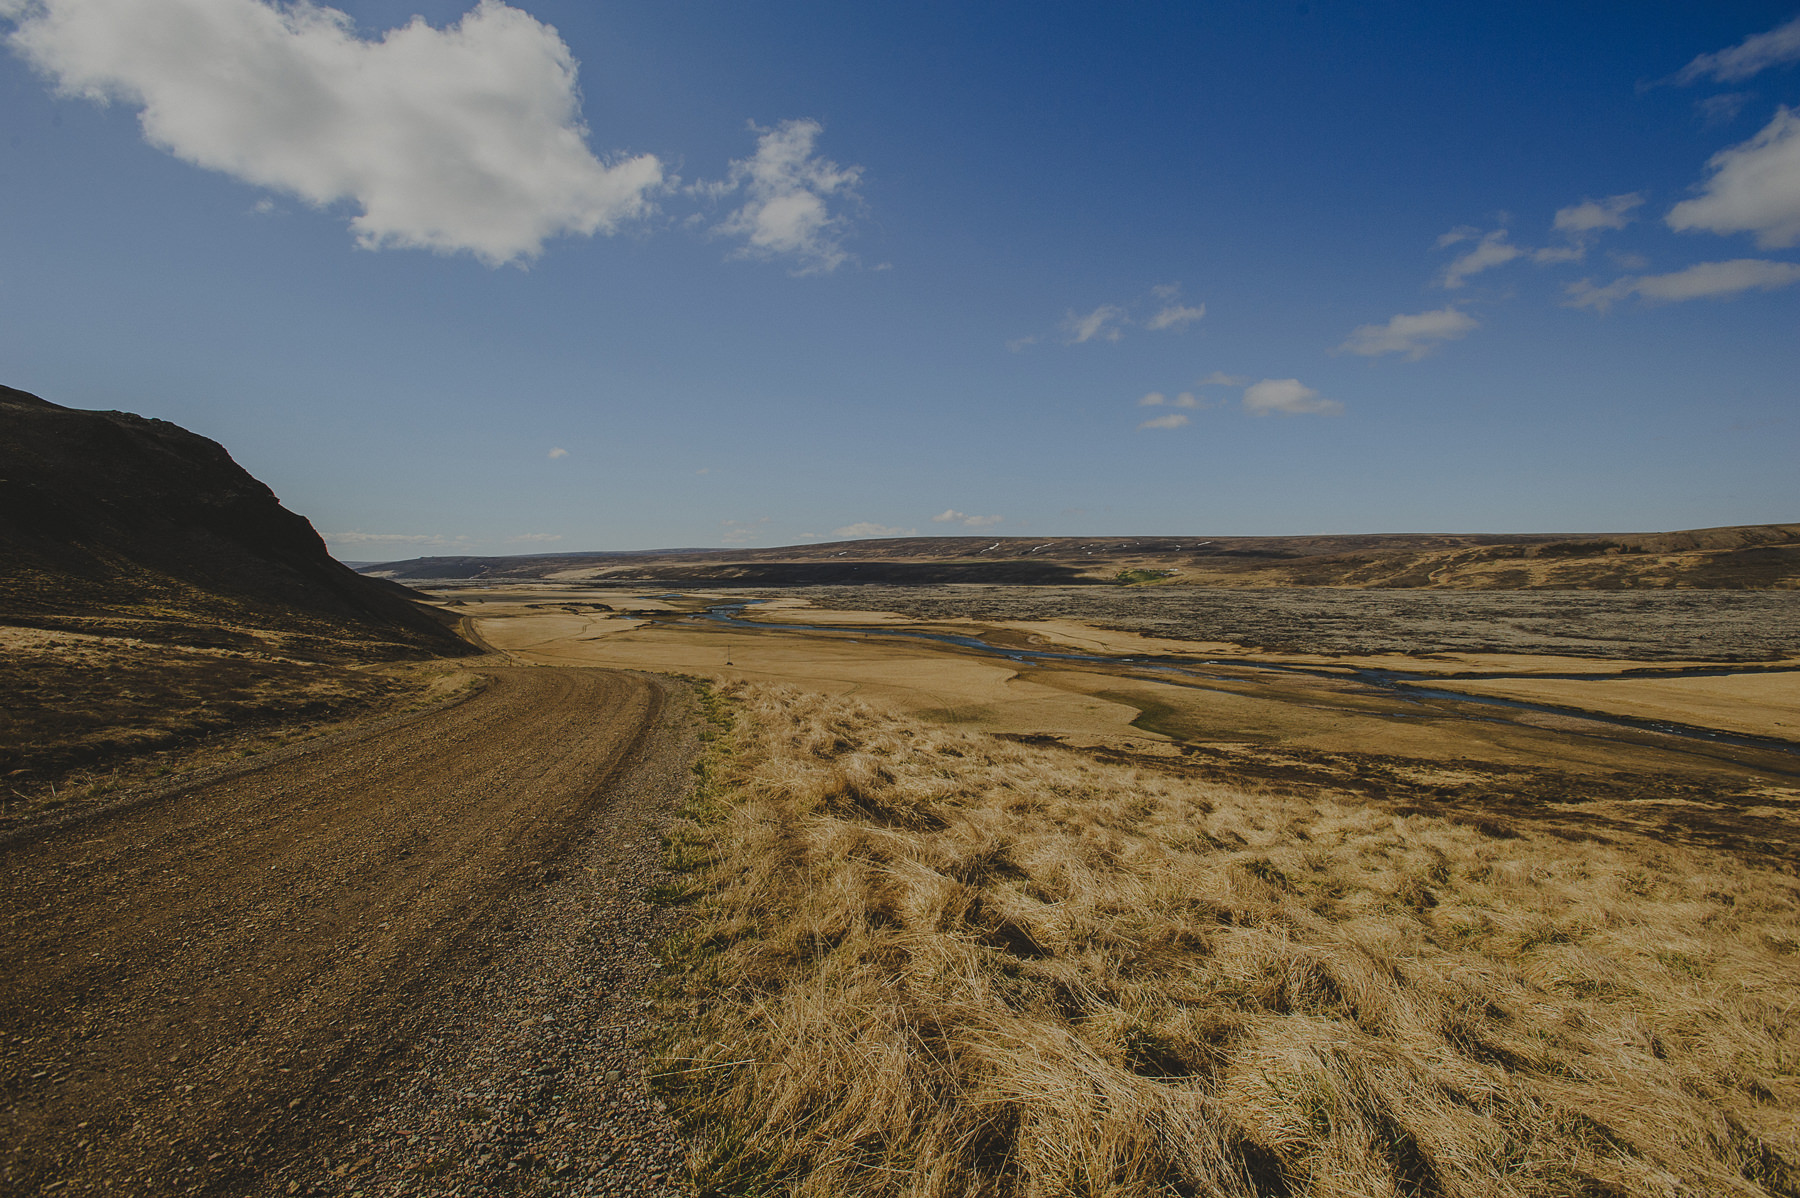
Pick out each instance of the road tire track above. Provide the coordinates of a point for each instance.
(218, 988)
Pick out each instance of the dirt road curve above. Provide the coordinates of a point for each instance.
(224, 990)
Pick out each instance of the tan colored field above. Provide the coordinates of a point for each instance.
(1238, 706)
(924, 961)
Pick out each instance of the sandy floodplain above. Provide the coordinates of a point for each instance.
(1228, 701)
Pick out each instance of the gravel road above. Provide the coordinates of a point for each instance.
(407, 960)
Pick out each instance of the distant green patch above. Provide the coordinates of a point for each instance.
(1136, 577)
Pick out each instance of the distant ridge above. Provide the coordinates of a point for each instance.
(107, 515)
(1760, 556)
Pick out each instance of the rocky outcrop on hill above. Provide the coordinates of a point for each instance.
(139, 522)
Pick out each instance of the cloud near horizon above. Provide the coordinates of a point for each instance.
(535, 538)
(1288, 397)
(865, 529)
(394, 538)
(1754, 188)
(466, 139)
(952, 516)
(1413, 335)
(1704, 280)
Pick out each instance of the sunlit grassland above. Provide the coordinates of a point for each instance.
(925, 961)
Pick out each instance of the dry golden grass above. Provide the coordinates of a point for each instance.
(930, 962)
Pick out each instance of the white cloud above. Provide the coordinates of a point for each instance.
(1103, 322)
(1722, 108)
(467, 138)
(1185, 399)
(1492, 250)
(537, 538)
(1414, 335)
(1289, 397)
(1705, 280)
(1176, 316)
(787, 211)
(1460, 233)
(1750, 56)
(557, 452)
(430, 540)
(739, 531)
(1172, 420)
(1755, 188)
(1219, 378)
(1166, 291)
(952, 516)
(1020, 344)
(865, 529)
(1559, 253)
(1590, 216)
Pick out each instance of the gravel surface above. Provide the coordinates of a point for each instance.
(411, 963)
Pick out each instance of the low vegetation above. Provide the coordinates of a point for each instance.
(922, 961)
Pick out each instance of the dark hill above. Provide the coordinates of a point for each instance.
(1763, 556)
(153, 530)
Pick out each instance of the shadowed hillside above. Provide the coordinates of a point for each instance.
(154, 597)
(1759, 556)
(106, 516)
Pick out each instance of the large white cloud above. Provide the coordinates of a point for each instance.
(789, 192)
(467, 138)
(1704, 280)
(1413, 334)
(1755, 188)
(1750, 56)
(1289, 397)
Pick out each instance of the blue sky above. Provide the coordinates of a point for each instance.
(573, 275)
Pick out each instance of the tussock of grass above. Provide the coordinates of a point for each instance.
(928, 962)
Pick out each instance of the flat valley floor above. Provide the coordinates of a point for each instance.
(1673, 713)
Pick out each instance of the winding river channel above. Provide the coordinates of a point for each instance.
(1405, 686)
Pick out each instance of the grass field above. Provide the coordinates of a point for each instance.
(927, 961)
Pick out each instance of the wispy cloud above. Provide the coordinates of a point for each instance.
(417, 540)
(1590, 216)
(1413, 335)
(1749, 57)
(536, 538)
(1176, 316)
(1492, 250)
(462, 139)
(952, 516)
(1288, 397)
(1219, 378)
(794, 200)
(1019, 345)
(1754, 188)
(557, 452)
(737, 532)
(1185, 399)
(1705, 280)
(1171, 420)
(1104, 323)
(865, 529)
